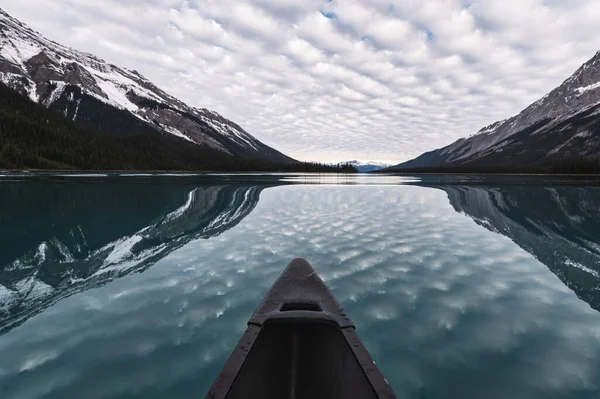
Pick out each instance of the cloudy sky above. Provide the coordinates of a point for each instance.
(339, 79)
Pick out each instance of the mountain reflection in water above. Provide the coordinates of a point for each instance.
(560, 226)
(64, 240)
(459, 289)
(67, 237)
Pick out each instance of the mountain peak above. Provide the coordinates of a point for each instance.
(88, 89)
(366, 166)
(561, 125)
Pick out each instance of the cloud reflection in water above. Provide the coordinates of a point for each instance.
(448, 308)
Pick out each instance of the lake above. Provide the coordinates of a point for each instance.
(119, 286)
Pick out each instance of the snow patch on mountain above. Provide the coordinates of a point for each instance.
(227, 130)
(18, 50)
(582, 90)
(129, 262)
(544, 132)
(56, 93)
(366, 166)
(77, 109)
(489, 129)
(33, 288)
(14, 80)
(180, 211)
(176, 132)
(117, 96)
(122, 250)
(43, 70)
(6, 298)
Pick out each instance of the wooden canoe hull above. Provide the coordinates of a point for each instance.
(300, 344)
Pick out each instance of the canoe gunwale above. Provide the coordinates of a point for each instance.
(299, 288)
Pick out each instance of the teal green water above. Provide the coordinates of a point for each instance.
(140, 287)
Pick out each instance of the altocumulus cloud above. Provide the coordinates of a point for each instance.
(340, 79)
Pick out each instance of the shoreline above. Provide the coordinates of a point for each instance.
(378, 173)
(485, 174)
(159, 172)
(152, 171)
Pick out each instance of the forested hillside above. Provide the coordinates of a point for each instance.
(34, 137)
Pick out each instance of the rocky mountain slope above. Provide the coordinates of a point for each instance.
(110, 99)
(564, 124)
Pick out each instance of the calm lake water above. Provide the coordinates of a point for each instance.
(140, 287)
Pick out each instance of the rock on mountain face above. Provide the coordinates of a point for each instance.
(108, 98)
(564, 124)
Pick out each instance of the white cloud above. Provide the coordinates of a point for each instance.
(341, 79)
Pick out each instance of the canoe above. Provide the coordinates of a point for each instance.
(300, 344)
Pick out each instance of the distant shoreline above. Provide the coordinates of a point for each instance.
(486, 174)
(374, 173)
(163, 171)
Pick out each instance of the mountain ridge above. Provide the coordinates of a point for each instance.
(91, 91)
(367, 166)
(562, 125)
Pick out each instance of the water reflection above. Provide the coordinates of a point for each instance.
(560, 226)
(447, 308)
(66, 239)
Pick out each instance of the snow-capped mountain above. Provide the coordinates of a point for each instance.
(74, 250)
(108, 98)
(368, 166)
(564, 124)
(557, 225)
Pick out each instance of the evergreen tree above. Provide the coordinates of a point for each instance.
(33, 137)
